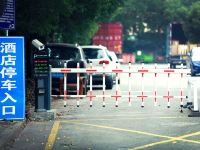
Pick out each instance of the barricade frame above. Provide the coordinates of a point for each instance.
(130, 71)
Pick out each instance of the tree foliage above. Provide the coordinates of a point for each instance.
(193, 22)
(145, 18)
(70, 20)
(75, 21)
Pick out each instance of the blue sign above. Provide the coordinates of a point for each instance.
(12, 78)
(7, 14)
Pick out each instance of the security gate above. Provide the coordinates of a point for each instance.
(130, 72)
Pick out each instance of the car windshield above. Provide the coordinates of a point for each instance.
(196, 55)
(92, 53)
(64, 53)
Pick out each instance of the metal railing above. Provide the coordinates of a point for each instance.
(130, 71)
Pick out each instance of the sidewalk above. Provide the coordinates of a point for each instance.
(9, 131)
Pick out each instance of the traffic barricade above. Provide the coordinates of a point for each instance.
(130, 71)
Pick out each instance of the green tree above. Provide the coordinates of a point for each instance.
(143, 19)
(73, 20)
(139, 15)
(191, 25)
(69, 21)
(83, 22)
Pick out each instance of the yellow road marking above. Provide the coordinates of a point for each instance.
(180, 138)
(171, 139)
(127, 118)
(120, 129)
(150, 145)
(52, 136)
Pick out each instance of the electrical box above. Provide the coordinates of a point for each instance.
(42, 79)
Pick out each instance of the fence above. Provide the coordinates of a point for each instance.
(130, 71)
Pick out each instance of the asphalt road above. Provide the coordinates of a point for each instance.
(119, 128)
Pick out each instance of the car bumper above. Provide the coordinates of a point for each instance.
(98, 78)
(196, 67)
(178, 62)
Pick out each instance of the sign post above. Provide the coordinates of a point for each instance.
(12, 78)
(7, 14)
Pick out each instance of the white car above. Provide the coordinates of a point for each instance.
(99, 55)
(116, 62)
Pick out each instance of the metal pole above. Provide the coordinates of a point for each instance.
(155, 86)
(129, 84)
(78, 86)
(142, 84)
(91, 85)
(104, 85)
(181, 105)
(168, 88)
(6, 32)
(65, 86)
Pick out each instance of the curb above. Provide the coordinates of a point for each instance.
(9, 131)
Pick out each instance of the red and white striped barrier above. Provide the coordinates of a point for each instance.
(65, 87)
(130, 71)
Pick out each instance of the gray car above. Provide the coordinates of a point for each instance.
(61, 53)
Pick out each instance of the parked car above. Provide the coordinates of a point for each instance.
(113, 56)
(116, 62)
(193, 61)
(99, 55)
(59, 54)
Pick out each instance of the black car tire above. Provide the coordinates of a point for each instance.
(118, 81)
(172, 66)
(192, 72)
(109, 82)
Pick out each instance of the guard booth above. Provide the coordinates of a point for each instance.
(42, 78)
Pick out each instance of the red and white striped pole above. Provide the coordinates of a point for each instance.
(181, 82)
(142, 84)
(104, 85)
(129, 84)
(78, 86)
(65, 86)
(155, 86)
(117, 86)
(168, 89)
(90, 86)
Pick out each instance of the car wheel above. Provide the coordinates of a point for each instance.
(172, 66)
(118, 81)
(109, 83)
(192, 72)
